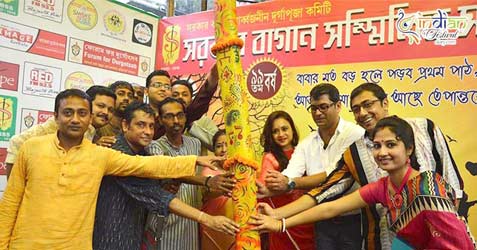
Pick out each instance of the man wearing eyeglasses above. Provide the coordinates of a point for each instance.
(317, 154)
(158, 87)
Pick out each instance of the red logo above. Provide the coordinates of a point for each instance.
(45, 4)
(3, 156)
(9, 76)
(41, 78)
(264, 80)
(43, 116)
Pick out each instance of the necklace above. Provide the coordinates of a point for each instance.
(396, 199)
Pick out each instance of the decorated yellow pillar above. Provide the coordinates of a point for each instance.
(234, 98)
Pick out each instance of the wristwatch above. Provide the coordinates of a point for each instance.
(291, 184)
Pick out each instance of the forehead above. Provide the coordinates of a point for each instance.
(363, 96)
(74, 102)
(122, 89)
(172, 107)
(161, 79)
(322, 99)
(280, 122)
(180, 88)
(384, 134)
(138, 88)
(103, 98)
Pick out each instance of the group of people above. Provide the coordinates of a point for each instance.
(111, 172)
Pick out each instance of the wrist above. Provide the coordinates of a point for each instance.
(291, 184)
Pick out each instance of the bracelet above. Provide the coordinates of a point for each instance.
(207, 182)
(200, 216)
(284, 225)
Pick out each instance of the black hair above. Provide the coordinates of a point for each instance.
(371, 87)
(325, 89)
(135, 106)
(121, 84)
(184, 83)
(170, 100)
(95, 90)
(403, 132)
(72, 93)
(159, 72)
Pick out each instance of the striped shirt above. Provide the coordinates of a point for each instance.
(357, 165)
(181, 233)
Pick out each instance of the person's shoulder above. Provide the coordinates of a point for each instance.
(40, 140)
(191, 139)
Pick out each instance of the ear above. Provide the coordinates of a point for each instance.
(385, 104)
(409, 151)
(124, 125)
(338, 105)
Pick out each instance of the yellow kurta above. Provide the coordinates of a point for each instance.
(50, 198)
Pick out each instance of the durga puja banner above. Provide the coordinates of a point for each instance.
(423, 53)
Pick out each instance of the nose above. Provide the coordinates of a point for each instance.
(362, 112)
(148, 131)
(383, 151)
(75, 118)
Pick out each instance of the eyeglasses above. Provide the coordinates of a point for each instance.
(166, 86)
(169, 116)
(322, 107)
(365, 105)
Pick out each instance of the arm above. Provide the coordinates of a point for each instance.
(278, 182)
(324, 211)
(204, 130)
(309, 182)
(158, 167)
(218, 223)
(146, 192)
(200, 104)
(269, 163)
(221, 182)
(12, 198)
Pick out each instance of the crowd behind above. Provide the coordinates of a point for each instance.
(111, 171)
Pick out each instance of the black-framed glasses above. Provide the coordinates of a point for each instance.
(322, 107)
(365, 105)
(167, 86)
(169, 116)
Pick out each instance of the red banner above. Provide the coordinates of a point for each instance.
(310, 33)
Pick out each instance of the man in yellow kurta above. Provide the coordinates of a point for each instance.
(50, 198)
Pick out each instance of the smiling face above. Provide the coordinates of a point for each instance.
(103, 107)
(282, 133)
(73, 118)
(159, 88)
(389, 151)
(368, 110)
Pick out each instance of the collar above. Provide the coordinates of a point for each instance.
(123, 145)
(56, 141)
(339, 129)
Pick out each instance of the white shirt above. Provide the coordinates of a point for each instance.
(310, 157)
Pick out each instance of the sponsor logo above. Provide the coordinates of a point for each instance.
(9, 76)
(264, 79)
(78, 80)
(114, 22)
(142, 33)
(440, 28)
(8, 110)
(47, 9)
(41, 80)
(9, 7)
(171, 44)
(82, 14)
(32, 117)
